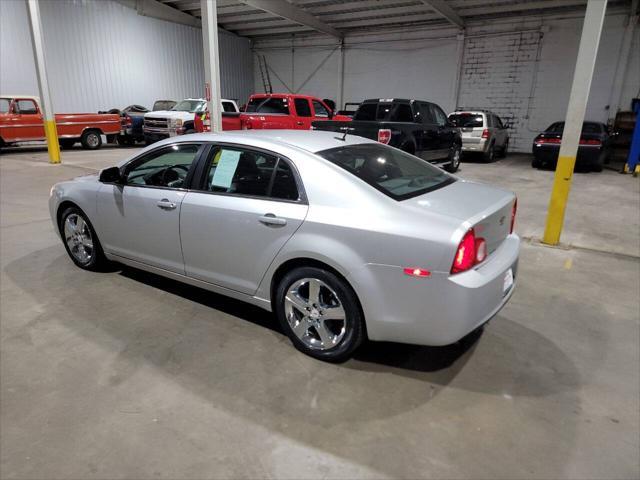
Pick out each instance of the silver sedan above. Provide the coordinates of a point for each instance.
(342, 237)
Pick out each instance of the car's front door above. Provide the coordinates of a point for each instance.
(248, 205)
(303, 113)
(427, 141)
(26, 120)
(445, 133)
(139, 219)
(320, 112)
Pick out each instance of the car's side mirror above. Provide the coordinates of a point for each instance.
(110, 175)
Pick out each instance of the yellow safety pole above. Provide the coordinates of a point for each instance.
(48, 117)
(587, 52)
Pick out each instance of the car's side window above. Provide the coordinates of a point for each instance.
(26, 107)
(240, 171)
(320, 110)
(426, 115)
(302, 107)
(438, 114)
(167, 167)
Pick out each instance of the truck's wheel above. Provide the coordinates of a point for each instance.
(66, 143)
(91, 140)
(189, 131)
(454, 163)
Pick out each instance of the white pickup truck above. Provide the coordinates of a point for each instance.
(180, 119)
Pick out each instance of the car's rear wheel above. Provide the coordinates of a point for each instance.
(454, 162)
(320, 313)
(91, 140)
(490, 154)
(504, 149)
(80, 240)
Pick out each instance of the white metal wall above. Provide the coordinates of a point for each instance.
(101, 54)
(520, 76)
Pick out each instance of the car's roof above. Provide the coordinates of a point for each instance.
(30, 97)
(312, 141)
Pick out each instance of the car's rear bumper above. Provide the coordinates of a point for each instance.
(473, 144)
(548, 154)
(440, 309)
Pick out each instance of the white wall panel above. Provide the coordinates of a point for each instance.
(101, 54)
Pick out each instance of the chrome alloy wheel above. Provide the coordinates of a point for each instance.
(93, 140)
(455, 160)
(78, 237)
(315, 314)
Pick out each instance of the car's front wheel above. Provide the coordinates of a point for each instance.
(320, 313)
(454, 159)
(80, 240)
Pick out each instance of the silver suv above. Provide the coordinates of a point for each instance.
(482, 131)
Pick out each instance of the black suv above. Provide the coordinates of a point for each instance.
(415, 126)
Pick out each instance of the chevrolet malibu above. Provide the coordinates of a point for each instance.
(342, 237)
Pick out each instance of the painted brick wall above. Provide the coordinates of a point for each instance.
(498, 73)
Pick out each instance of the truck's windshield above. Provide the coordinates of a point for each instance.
(384, 112)
(193, 106)
(4, 105)
(395, 173)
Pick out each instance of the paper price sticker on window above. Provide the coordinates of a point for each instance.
(226, 168)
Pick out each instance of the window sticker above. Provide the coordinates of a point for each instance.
(226, 168)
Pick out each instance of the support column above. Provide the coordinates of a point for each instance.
(621, 67)
(340, 99)
(211, 62)
(589, 41)
(460, 41)
(48, 117)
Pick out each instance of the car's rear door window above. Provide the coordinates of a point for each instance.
(240, 171)
(394, 172)
(268, 105)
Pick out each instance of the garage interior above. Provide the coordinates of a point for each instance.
(125, 374)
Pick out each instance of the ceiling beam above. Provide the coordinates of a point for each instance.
(289, 11)
(441, 8)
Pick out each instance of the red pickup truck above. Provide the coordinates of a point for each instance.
(286, 111)
(21, 121)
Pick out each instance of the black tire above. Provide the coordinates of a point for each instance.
(353, 322)
(91, 140)
(96, 260)
(455, 157)
(504, 149)
(597, 164)
(490, 155)
(67, 144)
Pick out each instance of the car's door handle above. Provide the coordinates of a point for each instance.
(271, 219)
(298, 123)
(166, 204)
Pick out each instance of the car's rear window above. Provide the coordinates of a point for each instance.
(466, 120)
(4, 105)
(395, 173)
(384, 112)
(587, 127)
(268, 105)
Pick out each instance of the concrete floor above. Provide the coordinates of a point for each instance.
(128, 375)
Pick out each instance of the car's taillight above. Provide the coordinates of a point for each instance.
(384, 135)
(206, 122)
(486, 133)
(549, 140)
(126, 121)
(471, 251)
(590, 141)
(513, 215)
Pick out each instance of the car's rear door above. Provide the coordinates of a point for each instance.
(140, 218)
(233, 223)
(303, 115)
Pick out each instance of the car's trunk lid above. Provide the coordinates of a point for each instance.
(485, 208)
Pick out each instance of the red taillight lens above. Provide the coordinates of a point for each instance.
(465, 257)
(384, 135)
(513, 215)
(549, 140)
(590, 141)
(206, 122)
(485, 133)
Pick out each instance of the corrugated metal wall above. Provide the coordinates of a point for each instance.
(101, 54)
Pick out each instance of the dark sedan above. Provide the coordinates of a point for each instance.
(594, 147)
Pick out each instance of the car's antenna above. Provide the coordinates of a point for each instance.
(346, 130)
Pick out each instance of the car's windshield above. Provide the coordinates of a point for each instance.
(4, 105)
(394, 172)
(466, 120)
(193, 106)
(587, 127)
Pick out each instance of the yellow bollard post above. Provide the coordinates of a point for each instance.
(53, 146)
(585, 63)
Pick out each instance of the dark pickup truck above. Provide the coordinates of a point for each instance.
(415, 126)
